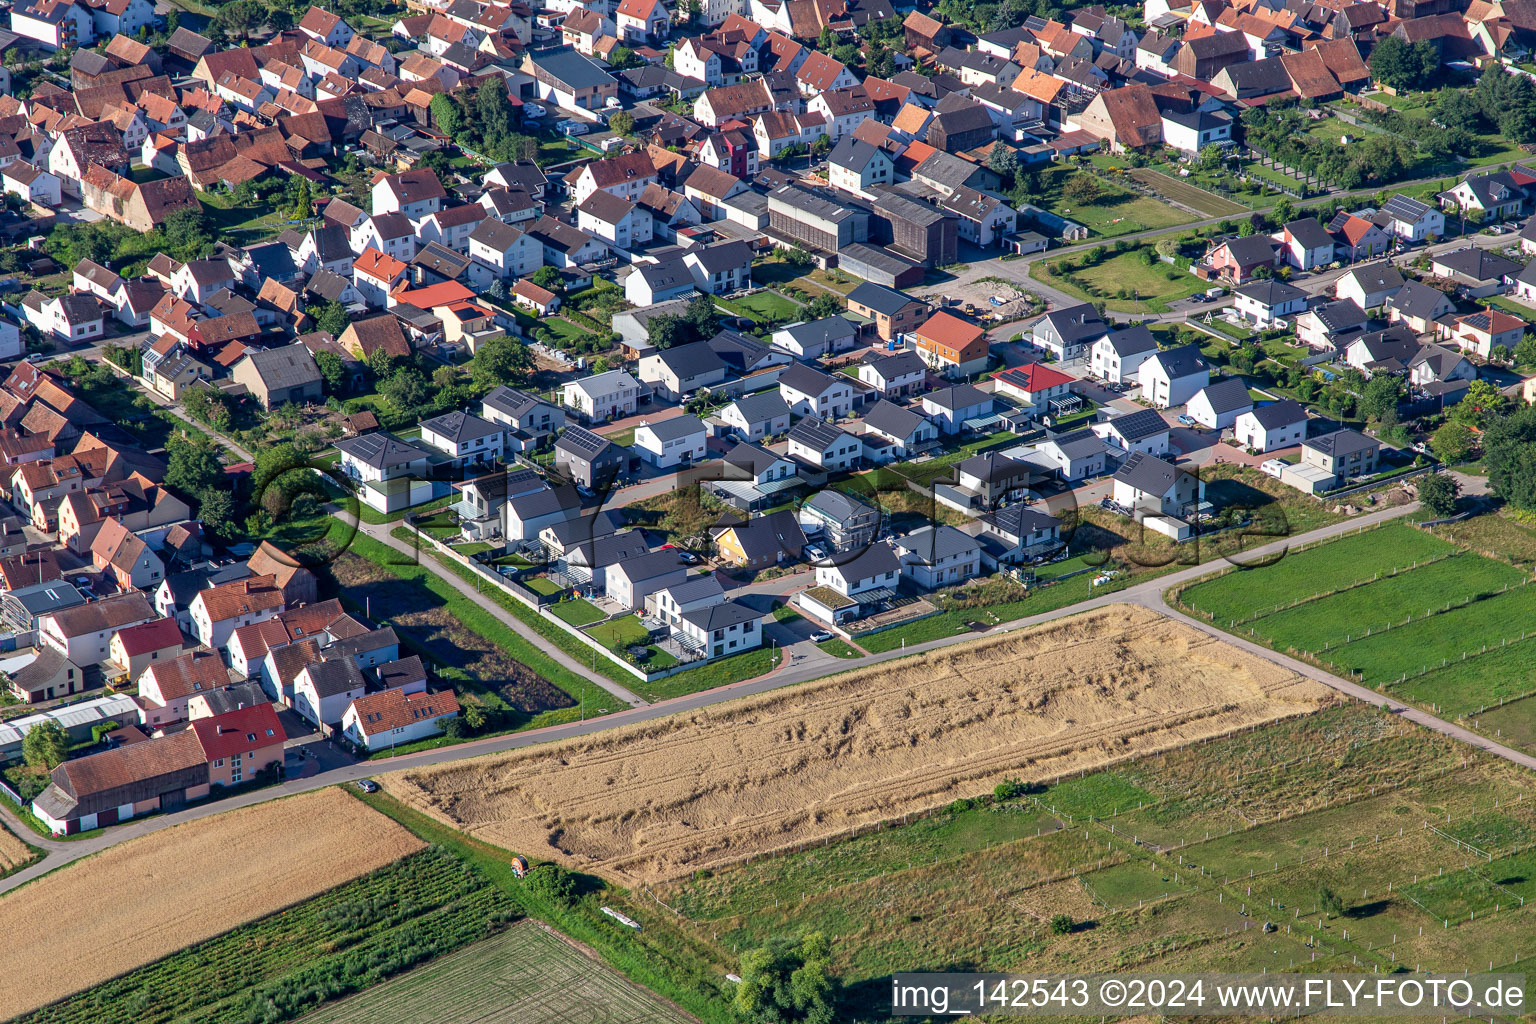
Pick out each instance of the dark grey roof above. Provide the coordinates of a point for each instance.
(1018, 520)
(1271, 292)
(287, 367)
(696, 589)
(1077, 444)
(674, 427)
(1279, 414)
(722, 256)
(721, 616)
(761, 406)
(459, 427)
(362, 643)
(1148, 473)
(960, 396)
(43, 598)
(838, 505)
(1182, 361)
(1343, 442)
(802, 378)
(1076, 323)
(875, 560)
(1376, 277)
(381, 450)
(1136, 426)
(690, 360)
(879, 298)
(1132, 341)
(931, 543)
(666, 275)
(854, 154)
(763, 536)
(585, 528)
(1310, 233)
(650, 565)
(512, 402)
(1337, 316)
(1255, 249)
(543, 502)
(584, 443)
(815, 432)
(737, 351)
(827, 329)
(570, 68)
(1229, 394)
(898, 364)
(1477, 264)
(338, 675)
(891, 419)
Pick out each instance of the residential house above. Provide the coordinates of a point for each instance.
(468, 440)
(1411, 220)
(1271, 427)
(894, 376)
(1218, 405)
(1418, 305)
(391, 473)
(675, 372)
(717, 630)
(1476, 272)
(757, 416)
(590, 460)
(1066, 332)
(1356, 238)
(760, 542)
(905, 432)
(842, 589)
(812, 339)
(1173, 376)
(1267, 301)
(937, 556)
(165, 687)
(1482, 331)
(951, 346)
(629, 582)
(893, 313)
(1330, 461)
(278, 376)
(324, 690)
(1331, 326)
(1370, 285)
(1238, 259)
(1142, 431)
(1493, 196)
(810, 392)
(1306, 244)
(672, 442)
(1016, 534)
(1117, 356)
(822, 446)
(381, 721)
(1074, 455)
(1149, 485)
(602, 396)
(82, 634)
(135, 648)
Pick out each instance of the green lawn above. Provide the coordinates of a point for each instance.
(720, 672)
(1383, 657)
(1464, 687)
(242, 224)
(542, 585)
(839, 648)
(1123, 282)
(471, 549)
(577, 612)
(623, 438)
(617, 634)
(1118, 211)
(767, 304)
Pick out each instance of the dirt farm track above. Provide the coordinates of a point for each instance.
(655, 801)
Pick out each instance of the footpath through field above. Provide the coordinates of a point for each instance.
(1148, 594)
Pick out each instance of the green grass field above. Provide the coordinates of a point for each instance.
(527, 974)
(1465, 686)
(1146, 288)
(839, 648)
(765, 304)
(1118, 211)
(620, 632)
(1331, 566)
(1415, 593)
(1383, 657)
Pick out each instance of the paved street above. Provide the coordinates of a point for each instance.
(795, 670)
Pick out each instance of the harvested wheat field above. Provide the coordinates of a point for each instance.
(146, 898)
(701, 789)
(13, 852)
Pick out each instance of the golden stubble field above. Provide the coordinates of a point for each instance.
(146, 898)
(13, 852)
(655, 801)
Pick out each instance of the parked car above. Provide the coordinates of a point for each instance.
(533, 111)
(814, 551)
(1186, 420)
(821, 637)
(367, 785)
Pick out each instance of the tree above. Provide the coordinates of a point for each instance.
(667, 330)
(217, 513)
(445, 114)
(1378, 401)
(1481, 401)
(1437, 494)
(821, 145)
(187, 236)
(193, 466)
(623, 57)
(1082, 189)
(1005, 161)
(300, 197)
(549, 278)
(407, 389)
(1452, 443)
(1402, 65)
(500, 361)
(1210, 158)
(241, 17)
(1525, 351)
(1327, 900)
(45, 745)
(1061, 924)
(827, 40)
(333, 370)
(1499, 354)
(784, 981)
(331, 318)
(824, 305)
(1509, 452)
(623, 123)
(703, 315)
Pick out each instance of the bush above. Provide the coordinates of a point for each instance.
(1008, 789)
(1061, 924)
(961, 806)
(553, 884)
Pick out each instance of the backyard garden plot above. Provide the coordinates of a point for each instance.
(1241, 594)
(1445, 637)
(1386, 603)
(706, 789)
(201, 878)
(526, 975)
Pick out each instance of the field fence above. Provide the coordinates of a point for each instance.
(1429, 613)
(1298, 549)
(1465, 655)
(1346, 588)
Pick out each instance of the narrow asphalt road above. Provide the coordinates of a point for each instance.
(795, 670)
(382, 534)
